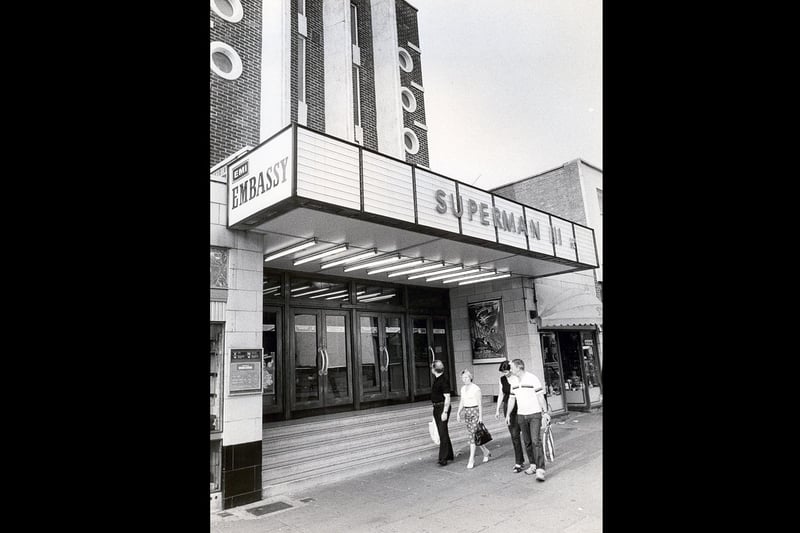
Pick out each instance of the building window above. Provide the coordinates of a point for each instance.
(217, 347)
(219, 268)
(354, 24)
(301, 7)
(230, 10)
(410, 141)
(408, 100)
(356, 96)
(225, 62)
(600, 199)
(301, 69)
(406, 63)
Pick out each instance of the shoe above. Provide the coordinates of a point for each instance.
(540, 474)
(531, 470)
(442, 463)
(486, 458)
(517, 469)
(470, 465)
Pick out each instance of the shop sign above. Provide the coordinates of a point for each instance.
(262, 178)
(245, 370)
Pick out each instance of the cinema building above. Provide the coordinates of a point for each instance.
(342, 265)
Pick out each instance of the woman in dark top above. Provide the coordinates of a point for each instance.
(440, 397)
(513, 427)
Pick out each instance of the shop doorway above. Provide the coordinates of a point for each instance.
(383, 361)
(430, 342)
(319, 359)
(582, 386)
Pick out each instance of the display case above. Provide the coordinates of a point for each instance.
(217, 333)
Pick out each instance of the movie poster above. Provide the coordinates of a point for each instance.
(487, 332)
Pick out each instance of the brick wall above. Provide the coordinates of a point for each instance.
(315, 65)
(367, 85)
(408, 32)
(235, 104)
(557, 191)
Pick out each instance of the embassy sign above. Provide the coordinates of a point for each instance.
(261, 178)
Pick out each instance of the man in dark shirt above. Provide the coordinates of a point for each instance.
(440, 396)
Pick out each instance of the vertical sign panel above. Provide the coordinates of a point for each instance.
(388, 189)
(260, 179)
(539, 233)
(436, 204)
(585, 242)
(327, 170)
(511, 229)
(562, 237)
(477, 218)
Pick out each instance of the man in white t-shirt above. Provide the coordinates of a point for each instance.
(528, 394)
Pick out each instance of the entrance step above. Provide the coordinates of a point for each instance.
(318, 450)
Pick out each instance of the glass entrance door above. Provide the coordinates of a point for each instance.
(552, 372)
(572, 362)
(430, 342)
(320, 359)
(271, 338)
(383, 356)
(592, 367)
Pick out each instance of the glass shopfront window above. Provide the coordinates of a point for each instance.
(383, 295)
(217, 347)
(319, 291)
(553, 381)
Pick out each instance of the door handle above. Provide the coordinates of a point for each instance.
(327, 361)
(387, 358)
(322, 360)
(433, 356)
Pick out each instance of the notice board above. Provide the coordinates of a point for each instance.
(245, 370)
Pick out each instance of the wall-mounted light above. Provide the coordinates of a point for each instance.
(349, 259)
(437, 272)
(425, 268)
(382, 261)
(319, 255)
(395, 267)
(291, 249)
(501, 276)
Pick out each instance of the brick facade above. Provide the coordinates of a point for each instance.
(369, 121)
(236, 104)
(408, 32)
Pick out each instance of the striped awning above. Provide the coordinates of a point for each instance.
(559, 307)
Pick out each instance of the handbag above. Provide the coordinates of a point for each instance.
(482, 435)
(434, 432)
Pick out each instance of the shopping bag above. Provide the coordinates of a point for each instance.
(482, 435)
(433, 431)
(547, 441)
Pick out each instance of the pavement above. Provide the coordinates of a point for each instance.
(420, 496)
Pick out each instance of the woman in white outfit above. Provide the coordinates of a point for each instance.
(470, 404)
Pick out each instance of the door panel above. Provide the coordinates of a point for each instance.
(571, 360)
(371, 356)
(336, 369)
(420, 334)
(272, 335)
(395, 353)
(306, 359)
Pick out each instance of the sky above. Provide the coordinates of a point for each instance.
(512, 87)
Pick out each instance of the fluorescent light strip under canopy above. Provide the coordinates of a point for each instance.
(350, 259)
(471, 276)
(291, 249)
(315, 291)
(319, 255)
(453, 275)
(345, 295)
(376, 298)
(425, 268)
(501, 276)
(382, 261)
(395, 267)
(271, 289)
(437, 272)
(304, 287)
(371, 295)
(328, 294)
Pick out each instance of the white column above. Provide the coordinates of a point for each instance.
(338, 69)
(389, 112)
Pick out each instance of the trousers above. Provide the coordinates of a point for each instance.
(530, 426)
(445, 446)
(513, 428)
